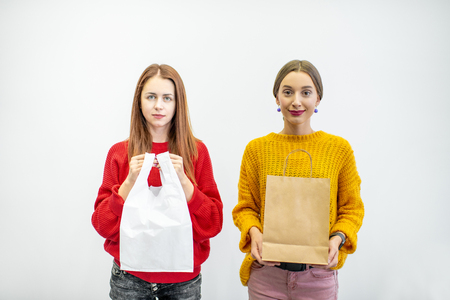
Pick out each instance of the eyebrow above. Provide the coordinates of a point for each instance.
(152, 93)
(303, 87)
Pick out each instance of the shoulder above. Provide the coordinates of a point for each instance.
(256, 149)
(200, 145)
(258, 143)
(203, 155)
(119, 148)
(118, 152)
(202, 150)
(336, 141)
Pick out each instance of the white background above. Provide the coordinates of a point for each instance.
(68, 71)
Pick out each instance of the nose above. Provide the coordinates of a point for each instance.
(159, 103)
(297, 100)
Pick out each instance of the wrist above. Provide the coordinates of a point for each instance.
(337, 240)
(253, 230)
(184, 180)
(338, 237)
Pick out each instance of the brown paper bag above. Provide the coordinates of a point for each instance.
(296, 218)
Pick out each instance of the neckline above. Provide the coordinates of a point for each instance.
(297, 138)
(160, 145)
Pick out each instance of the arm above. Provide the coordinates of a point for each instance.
(350, 208)
(109, 204)
(135, 164)
(186, 184)
(205, 205)
(256, 239)
(246, 214)
(333, 253)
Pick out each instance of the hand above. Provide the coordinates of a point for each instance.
(256, 244)
(177, 162)
(333, 253)
(135, 166)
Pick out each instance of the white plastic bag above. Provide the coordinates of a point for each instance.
(156, 228)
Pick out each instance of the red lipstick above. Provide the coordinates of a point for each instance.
(296, 112)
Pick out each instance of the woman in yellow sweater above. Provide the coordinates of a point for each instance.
(298, 91)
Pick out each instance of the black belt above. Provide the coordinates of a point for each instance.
(292, 267)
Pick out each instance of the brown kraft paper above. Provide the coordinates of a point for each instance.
(296, 219)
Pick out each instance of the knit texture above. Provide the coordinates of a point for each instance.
(205, 207)
(332, 158)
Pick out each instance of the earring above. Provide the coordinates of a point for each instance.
(316, 110)
(278, 109)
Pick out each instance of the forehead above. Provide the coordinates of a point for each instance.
(297, 80)
(157, 84)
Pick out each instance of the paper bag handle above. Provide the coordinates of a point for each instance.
(293, 151)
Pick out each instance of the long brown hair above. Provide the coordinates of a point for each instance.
(181, 140)
(299, 66)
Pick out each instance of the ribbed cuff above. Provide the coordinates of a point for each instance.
(196, 201)
(116, 202)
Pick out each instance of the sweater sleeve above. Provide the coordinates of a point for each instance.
(350, 208)
(205, 206)
(109, 204)
(246, 214)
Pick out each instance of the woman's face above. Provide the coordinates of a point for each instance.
(158, 103)
(297, 98)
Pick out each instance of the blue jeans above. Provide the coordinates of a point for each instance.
(129, 287)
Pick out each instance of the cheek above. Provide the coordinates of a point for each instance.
(173, 107)
(284, 102)
(143, 105)
(144, 108)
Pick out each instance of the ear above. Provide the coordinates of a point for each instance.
(277, 101)
(318, 101)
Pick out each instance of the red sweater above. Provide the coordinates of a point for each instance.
(205, 207)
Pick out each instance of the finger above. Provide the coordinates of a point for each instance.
(174, 156)
(257, 257)
(138, 157)
(332, 255)
(334, 260)
(176, 163)
(136, 164)
(259, 244)
(271, 263)
(178, 166)
(319, 266)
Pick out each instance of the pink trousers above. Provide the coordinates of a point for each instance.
(274, 283)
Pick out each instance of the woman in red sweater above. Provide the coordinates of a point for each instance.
(159, 123)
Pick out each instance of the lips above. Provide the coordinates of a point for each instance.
(296, 112)
(158, 116)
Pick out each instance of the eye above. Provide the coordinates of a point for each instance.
(307, 93)
(151, 97)
(287, 92)
(167, 98)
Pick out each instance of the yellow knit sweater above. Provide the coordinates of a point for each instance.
(332, 158)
